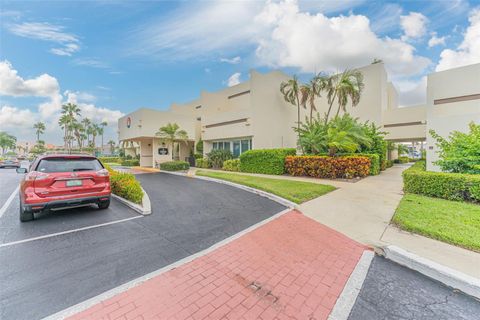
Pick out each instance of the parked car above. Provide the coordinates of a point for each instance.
(56, 181)
(11, 162)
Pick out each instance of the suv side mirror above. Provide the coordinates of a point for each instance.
(22, 170)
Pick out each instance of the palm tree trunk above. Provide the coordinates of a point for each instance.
(101, 147)
(330, 108)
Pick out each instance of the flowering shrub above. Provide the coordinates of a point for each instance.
(125, 185)
(328, 167)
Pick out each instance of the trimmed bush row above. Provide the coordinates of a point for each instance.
(375, 165)
(450, 186)
(174, 165)
(130, 163)
(110, 159)
(266, 161)
(125, 185)
(328, 167)
(401, 160)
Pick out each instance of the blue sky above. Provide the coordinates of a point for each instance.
(112, 57)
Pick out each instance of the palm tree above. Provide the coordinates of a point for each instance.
(93, 130)
(313, 90)
(111, 143)
(291, 93)
(39, 129)
(86, 124)
(63, 123)
(341, 87)
(70, 111)
(78, 132)
(103, 124)
(171, 133)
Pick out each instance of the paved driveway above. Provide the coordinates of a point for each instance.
(68, 257)
(393, 292)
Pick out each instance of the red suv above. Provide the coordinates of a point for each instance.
(56, 182)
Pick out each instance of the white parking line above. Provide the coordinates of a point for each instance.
(9, 201)
(66, 232)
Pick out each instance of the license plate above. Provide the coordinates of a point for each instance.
(74, 183)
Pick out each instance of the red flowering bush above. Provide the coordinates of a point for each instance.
(328, 167)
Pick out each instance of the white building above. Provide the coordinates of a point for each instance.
(253, 114)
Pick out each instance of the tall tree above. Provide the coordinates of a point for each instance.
(342, 87)
(70, 111)
(309, 92)
(39, 129)
(111, 143)
(103, 124)
(93, 130)
(63, 123)
(292, 94)
(7, 141)
(86, 125)
(171, 133)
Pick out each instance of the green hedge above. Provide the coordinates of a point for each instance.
(174, 165)
(231, 165)
(110, 159)
(203, 163)
(125, 185)
(450, 186)
(267, 161)
(389, 163)
(130, 163)
(401, 160)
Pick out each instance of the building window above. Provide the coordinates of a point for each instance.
(236, 147)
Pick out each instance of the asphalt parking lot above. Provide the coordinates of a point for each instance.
(64, 258)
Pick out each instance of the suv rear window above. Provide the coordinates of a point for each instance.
(68, 165)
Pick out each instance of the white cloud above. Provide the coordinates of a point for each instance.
(280, 33)
(234, 60)
(469, 50)
(15, 118)
(48, 32)
(234, 79)
(22, 119)
(197, 30)
(13, 85)
(319, 43)
(435, 41)
(413, 25)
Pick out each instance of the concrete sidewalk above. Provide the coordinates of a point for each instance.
(363, 211)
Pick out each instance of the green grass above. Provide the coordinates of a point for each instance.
(296, 191)
(453, 222)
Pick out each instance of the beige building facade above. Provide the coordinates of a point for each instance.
(254, 115)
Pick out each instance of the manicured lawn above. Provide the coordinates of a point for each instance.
(296, 191)
(454, 222)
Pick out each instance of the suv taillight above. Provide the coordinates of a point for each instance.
(102, 173)
(35, 176)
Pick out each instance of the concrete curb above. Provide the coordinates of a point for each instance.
(350, 292)
(436, 271)
(79, 307)
(144, 209)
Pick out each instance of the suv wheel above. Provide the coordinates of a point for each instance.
(25, 215)
(104, 204)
